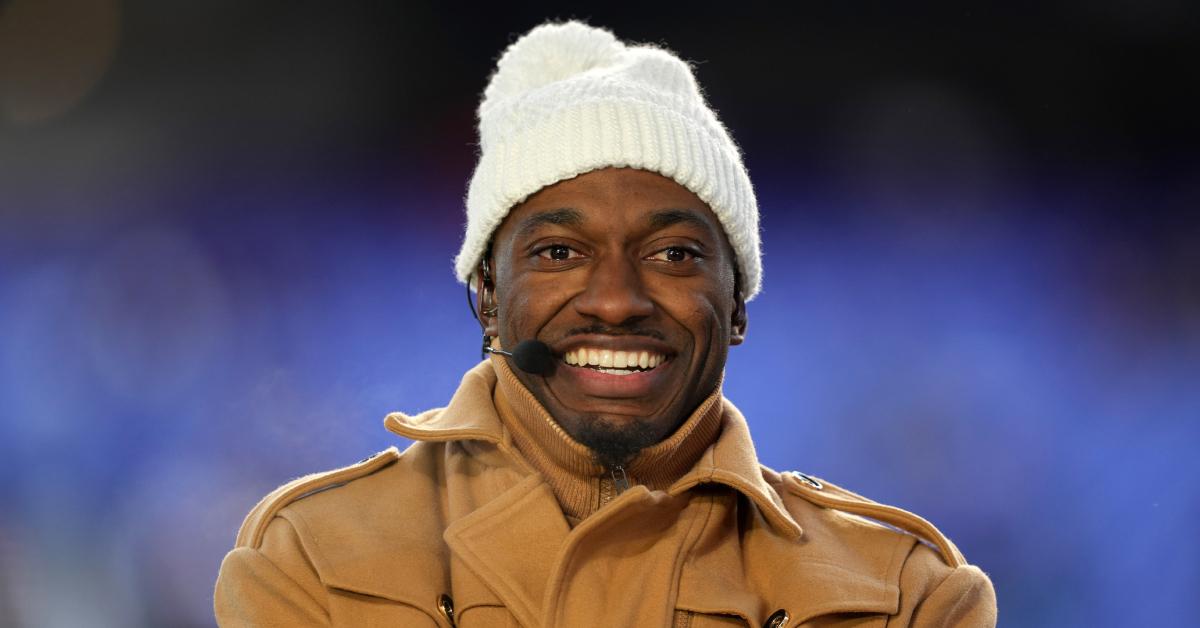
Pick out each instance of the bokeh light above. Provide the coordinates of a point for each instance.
(52, 52)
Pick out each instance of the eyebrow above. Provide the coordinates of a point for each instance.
(563, 216)
(667, 217)
(568, 216)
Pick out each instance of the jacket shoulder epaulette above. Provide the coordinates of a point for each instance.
(828, 495)
(251, 532)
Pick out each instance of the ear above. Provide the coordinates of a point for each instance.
(485, 298)
(738, 324)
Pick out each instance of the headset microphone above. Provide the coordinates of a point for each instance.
(531, 356)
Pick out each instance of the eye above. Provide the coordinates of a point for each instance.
(558, 253)
(674, 254)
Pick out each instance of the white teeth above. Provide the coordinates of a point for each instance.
(613, 362)
(620, 359)
(616, 371)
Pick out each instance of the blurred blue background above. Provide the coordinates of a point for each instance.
(226, 233)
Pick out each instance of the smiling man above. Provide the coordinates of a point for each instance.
(612, 228)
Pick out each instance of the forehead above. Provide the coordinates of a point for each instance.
(612, 198)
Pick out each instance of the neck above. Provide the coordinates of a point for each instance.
(579, 476)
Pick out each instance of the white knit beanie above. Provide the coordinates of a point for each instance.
(570, 98)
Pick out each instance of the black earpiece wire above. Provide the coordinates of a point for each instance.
(471, 302)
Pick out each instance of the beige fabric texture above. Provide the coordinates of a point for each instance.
(463, 513)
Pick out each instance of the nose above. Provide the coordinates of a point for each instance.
(614, 294)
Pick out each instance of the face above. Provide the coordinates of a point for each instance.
(628, 277)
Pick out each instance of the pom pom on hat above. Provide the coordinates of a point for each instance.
(570, 98)
(548, 54)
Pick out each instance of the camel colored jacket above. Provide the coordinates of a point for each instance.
(464, 529)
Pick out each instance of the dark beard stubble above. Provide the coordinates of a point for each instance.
(614, 446)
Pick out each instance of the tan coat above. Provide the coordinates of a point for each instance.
(460, 531)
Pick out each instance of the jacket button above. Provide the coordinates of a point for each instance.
(777, 619)
(445, 606)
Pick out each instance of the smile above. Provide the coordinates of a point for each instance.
(614, 362)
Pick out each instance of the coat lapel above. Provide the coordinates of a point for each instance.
(620, 566)
(511, 543)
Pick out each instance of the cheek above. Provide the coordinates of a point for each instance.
(515, 312)
(714, 314)
(527, 307)
(702, 314)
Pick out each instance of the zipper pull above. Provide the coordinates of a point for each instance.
(620, 480)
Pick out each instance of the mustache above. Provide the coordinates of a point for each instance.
(619, 330)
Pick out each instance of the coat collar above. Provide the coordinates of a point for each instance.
(730, 460)
(470, 415)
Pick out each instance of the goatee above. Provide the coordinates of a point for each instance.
(614, 446)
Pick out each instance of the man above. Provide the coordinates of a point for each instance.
(605, 481)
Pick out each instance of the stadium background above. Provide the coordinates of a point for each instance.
(226, 233)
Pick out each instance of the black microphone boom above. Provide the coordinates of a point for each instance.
(531, 356)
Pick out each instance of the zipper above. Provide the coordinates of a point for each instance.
(615, 483)
(620, 480)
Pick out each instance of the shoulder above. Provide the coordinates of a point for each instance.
(355, 500)
(364, 528)
(299, 489)
(802, 492)
(925, 565)
(349, 527)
